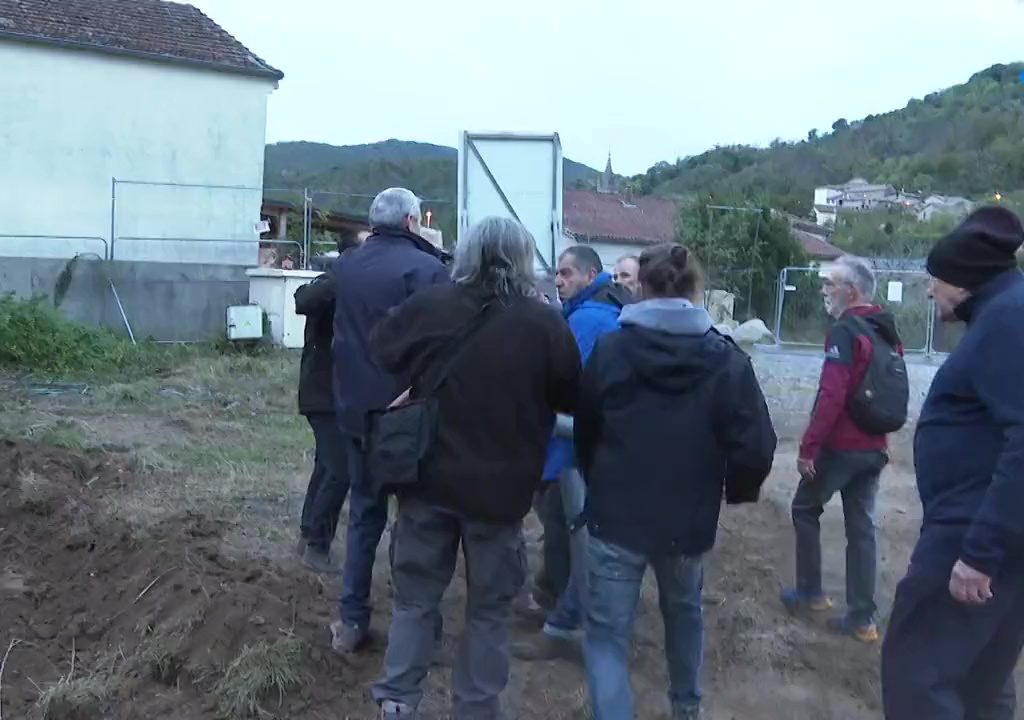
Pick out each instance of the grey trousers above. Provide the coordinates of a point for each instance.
(425, 545)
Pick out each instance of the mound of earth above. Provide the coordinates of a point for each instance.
(106, 620)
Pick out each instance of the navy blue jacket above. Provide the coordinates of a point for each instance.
(670, 417)
(969, 444)
(370, 280)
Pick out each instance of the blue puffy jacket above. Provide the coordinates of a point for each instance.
(590, 313)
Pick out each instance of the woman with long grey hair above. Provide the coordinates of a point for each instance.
(508, 363)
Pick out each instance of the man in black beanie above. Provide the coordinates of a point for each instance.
(957, 624)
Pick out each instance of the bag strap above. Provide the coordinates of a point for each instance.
(454, 347)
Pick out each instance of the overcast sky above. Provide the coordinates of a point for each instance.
(648, 81)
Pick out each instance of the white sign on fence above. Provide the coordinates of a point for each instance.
(895, 293)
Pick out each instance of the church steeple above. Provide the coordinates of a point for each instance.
(607, 184)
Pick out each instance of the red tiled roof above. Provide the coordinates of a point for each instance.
(596, 216)
(150, 29)
(816, 246)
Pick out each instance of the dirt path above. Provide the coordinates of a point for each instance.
(154, 579)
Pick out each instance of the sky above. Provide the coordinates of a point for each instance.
(646, 81)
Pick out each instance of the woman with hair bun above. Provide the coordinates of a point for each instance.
(670, 418)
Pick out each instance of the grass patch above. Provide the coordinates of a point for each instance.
(258, 673)
(34, 337)
(63, 434)
(78, 699)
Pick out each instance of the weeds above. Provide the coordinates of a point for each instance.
(73, 698)
(260, 671)
(37, 338)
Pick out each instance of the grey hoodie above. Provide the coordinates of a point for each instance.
(676, 316)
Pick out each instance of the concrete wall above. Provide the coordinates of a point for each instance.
(789, 380)
(164, 301)
(73, 120)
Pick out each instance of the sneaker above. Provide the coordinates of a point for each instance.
(796, 601)
(320, 561)
(863, 632)
(347, 638)
(391, 710)
(529, 610)
(547, 647)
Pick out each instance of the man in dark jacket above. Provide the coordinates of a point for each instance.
(392, 264)
(836, 455)
(495, 411)
(328, 485)
(957, 624)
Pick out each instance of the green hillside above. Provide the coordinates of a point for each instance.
(966, 140)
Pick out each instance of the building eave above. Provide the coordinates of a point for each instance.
(264, 73)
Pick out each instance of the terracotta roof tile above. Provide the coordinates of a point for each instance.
(643, 220)
(142, 28)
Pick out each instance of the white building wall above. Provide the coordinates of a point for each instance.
(71, 121)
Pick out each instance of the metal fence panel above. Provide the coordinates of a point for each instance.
(801, 320)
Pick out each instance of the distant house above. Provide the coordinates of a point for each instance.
(150, 92)
(814, 239)
(615, 225)
(937, 205)
(858, 195)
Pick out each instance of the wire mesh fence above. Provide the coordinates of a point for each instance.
(801, 319)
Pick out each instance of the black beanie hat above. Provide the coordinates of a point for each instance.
(978, 249)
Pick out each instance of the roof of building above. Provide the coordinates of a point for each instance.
(645, 220)
(148, 29)
(816, 246)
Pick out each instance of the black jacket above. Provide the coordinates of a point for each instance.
(496, 408)
(315, 300)
(669, 412)
(370, 280)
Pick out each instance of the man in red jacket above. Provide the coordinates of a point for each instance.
(838, 456)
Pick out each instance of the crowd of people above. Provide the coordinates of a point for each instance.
(668, 420)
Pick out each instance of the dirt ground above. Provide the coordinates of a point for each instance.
(146, 571)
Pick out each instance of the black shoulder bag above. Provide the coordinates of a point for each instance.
(399, 437)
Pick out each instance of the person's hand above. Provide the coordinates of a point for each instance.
(968, 585)
(805, 467)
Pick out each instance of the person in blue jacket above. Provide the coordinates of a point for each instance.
(957, 623)
(591, 303)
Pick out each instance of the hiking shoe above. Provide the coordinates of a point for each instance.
(347, 638)
(863, 632)
(796, 601)
(547, 647)
(686, 712)
(391, 710)
(319, 561)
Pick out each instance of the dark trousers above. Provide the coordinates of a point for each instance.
(367, 517)
(328, 484)
(855, 476)
(943, 660)
(424, 550)
(553, 577)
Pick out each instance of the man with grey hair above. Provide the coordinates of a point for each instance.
(499, 363)
(390, 265)
(839, 453)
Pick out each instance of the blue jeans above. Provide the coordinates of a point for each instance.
(568, 614)
(367, 518)
(615, 578)
(855, 476)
